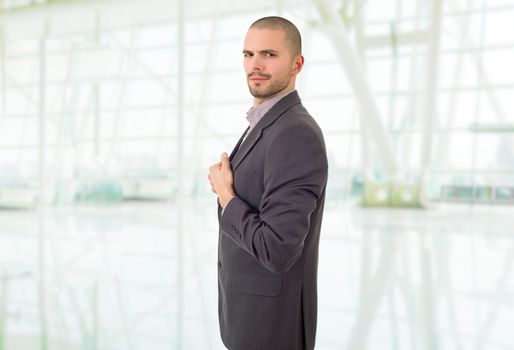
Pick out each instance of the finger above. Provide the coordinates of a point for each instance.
(225, 161)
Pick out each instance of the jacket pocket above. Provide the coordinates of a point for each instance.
(269, 286)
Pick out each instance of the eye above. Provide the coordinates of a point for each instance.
(247, 54)
(269, 54)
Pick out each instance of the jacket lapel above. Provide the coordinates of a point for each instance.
(276, 111)
(234, 151)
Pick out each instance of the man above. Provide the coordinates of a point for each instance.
(271, 192)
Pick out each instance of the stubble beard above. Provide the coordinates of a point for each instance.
(258, 91)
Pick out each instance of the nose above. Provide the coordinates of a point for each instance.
(256, 63)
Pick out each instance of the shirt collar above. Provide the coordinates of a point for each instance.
(255, 114)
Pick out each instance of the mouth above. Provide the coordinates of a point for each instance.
(258, 78)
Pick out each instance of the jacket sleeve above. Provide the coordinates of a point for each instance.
(295, 175)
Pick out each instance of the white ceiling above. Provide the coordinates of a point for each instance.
(65, 16)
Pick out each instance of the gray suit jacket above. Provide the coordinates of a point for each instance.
(269, 233)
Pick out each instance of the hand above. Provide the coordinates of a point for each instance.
(221, 180)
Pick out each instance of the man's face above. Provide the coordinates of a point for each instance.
(268, 64)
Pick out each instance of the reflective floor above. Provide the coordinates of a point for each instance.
(142, 276)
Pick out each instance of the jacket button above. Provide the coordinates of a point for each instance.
(219, 263)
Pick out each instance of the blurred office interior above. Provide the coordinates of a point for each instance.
(111, 112)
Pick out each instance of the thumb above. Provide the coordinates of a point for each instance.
(224, 159)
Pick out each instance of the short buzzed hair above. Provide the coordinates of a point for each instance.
(279, 23)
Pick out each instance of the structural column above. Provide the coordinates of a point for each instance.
(431, 90)
(42, 190)
(42, 114)
(180, 192)
(2, 72)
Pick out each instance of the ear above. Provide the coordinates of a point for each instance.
(297, 64)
